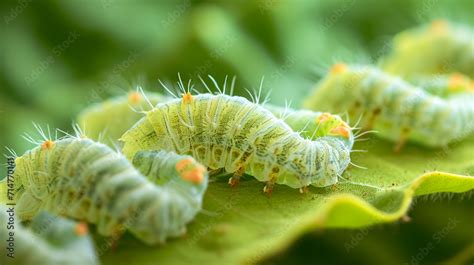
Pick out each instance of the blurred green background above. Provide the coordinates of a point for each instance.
(60, 56)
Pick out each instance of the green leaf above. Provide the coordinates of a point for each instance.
(242, 225)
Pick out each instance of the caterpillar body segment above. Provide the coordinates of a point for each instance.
(86, 180)
(108, 120)
(396, 109)
(229, 132)
(180, 172)
(314, 124)
(439, 48)
(445, 85)
(48, 240)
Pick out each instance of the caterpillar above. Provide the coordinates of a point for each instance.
(48, 240)
(85, 180)
(240, 136)
(110, 119)
(439, 48)
(396, 109)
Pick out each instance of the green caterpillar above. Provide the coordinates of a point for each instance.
(110, 119)
(439, 48)
(233, 133)
(86, 180)
(49, 240)
(396, 109)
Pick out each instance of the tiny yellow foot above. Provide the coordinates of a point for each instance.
(268, 189)
(304, 190)
(234, 181)
(403, 139)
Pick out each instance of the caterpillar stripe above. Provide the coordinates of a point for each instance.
(49, 240)
(396, 109)
(86, 180)
(110, 119)
(230, 132)
(439, 48)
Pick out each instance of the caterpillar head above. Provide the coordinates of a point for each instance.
(333, 125)
(57, 230)
(168, 168)
(191, 171)
(460, 83)
(191, 176)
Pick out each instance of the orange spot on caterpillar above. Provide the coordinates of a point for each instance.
(439, 26)
(343, 130)
(190, 171)
(182, 164)
(134, 97)
(195, 175)
(338, 68)
(323, 117)
(187, 98)
(47, 145)
(81, 229)
(456, 80)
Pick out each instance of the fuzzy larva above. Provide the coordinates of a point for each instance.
(233, 133)
(86, 180)
(439, 48)
(108, 120)
(48, 240)
(396, 109)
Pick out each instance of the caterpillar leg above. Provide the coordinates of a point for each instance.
(234, 180)
(268, 189)
(403, 139)
(114, 239)
(304, 190)
(373, 116)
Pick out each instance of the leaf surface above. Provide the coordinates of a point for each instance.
(242, 225)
